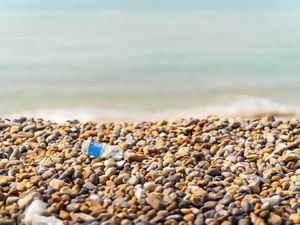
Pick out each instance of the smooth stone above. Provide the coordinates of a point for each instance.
(120, 164)
(89, 186)
(246, 206)
(110, 171)
(82, 217)
(156, 202)
(176, 217)
(110, 162)
(3, 125)
(69, 191)
(57, 184)
(236, 212)
(274, 219)
(266, 206)
(182, 152)
(295, 218)
(94, 179)
(213, 172)
(11, 199)
(132, 156)
(4, 221)
(226, 199)
(274, 200)
(244, 221)
(133, 181)
(27, 199)
(30, 127)
(200, 220)
(73, 207)
(16, 154)
(150, 186)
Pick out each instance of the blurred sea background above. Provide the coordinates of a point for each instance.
(139, 60)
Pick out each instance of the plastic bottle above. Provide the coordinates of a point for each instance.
(100, 149)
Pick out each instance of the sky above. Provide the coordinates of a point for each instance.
(147, 4)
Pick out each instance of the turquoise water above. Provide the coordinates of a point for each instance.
(109, 63)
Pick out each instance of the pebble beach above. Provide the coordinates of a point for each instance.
(211, 170)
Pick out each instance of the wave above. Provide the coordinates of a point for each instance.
(238, 106)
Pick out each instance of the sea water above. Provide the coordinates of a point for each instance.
(90, 62)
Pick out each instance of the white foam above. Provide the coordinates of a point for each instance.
(236, 106)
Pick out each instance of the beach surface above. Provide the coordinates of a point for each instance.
(211, 170)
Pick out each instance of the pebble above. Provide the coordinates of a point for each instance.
(27, 199)
(131, 156)
(155, 202)
(274, 219)
(274, 200)
(246, 207)
(57, 184)
(82, 217)
(15, 154)
(211, 170)
(68, 191)
(226, 199)
(7, 221)
(110, 171)
(295, 218)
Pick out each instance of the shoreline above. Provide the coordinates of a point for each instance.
(210, 170)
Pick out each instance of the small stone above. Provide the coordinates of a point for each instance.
(254, 188)
(274, 200)
(64, 215)
(246, 207)
(126, 222)
(155, 202)
(69, 191)
(110, 172)
(226, 222)
(27, 199)
(15, 154)
(295, 218)
(73, 207)
(57, 184)
(266, 206)
(227, 199)
(133, 181)
(89, 186)
(3, 125)
(3, 163)
(182, 152)
(51, 138)
(189, 217)
(94, 179)
(120, 164)
(30, 127)
(200, 220)
(4, 221)
(244, 221)
(138, 193)
(68, 173)
(110, 162)
(274, 219)
(11, 199)
(131, 156)
(213, 172)
(82, 217)
(290, 157)
(150, 186)
(236, 212)
(176, 217)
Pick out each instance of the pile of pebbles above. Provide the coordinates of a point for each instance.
(211, 170)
